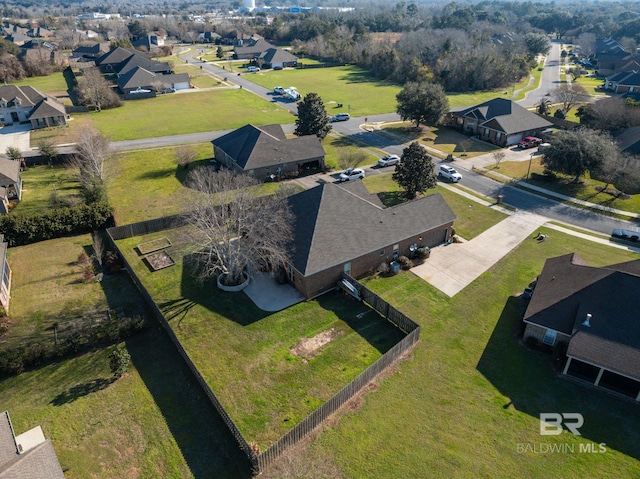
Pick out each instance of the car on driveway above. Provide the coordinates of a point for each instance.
(388, 160)
(278, 90)
(351, 174)
(253, 69)
(341, 117)
(449, 173)
(529, 142)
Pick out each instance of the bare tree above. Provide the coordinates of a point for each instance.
(350, 157)
(587, 42)
(569, 96)
(93, 153)
(234, 231)
(465, 145)
(498, 156)
(98, 247)
(185, 155)
(94, 90)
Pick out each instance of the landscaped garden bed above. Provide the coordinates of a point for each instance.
(153, 245)
(159, 260)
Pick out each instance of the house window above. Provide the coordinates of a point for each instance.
(347, 268)
(382, 253)
(498, 135)
(549, 337)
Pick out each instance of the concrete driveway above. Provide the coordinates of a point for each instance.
(15, 135)
(453, 267)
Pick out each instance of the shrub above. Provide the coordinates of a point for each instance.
(119, 360)
(88, 275)
(26, 229)
(405, 263)
(383, 268)
(83, 259)
(422, 253)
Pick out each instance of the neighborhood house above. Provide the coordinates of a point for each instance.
(345, 229)
(25, 104)
(594, 313)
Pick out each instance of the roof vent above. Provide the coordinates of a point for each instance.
(587, 320)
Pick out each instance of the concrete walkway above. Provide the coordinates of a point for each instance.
(268, 295)
(453, 267)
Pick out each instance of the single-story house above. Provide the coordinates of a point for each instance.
(138, 79)
(208, 37)
(276, 58)
(611, 63)
(5, 279)
(499, 121)
(344, 229)
(137, 60)
(623, 82)
(628, 140)
(90, 52)
(18, 39)
(25, 104)
(265, 152)
(115, 56)
(11, 179)
(148, 42)
(596, 313)
(251, 50)
(28, 455)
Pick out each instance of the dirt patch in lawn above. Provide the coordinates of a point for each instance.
(308, 346)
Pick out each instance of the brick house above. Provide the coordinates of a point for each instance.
(595, 313)
(25, 104)
(343, 228)
(264, 151)
(499, 121)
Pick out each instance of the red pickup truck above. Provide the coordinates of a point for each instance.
(529, 142)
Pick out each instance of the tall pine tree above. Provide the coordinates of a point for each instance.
(312, 117)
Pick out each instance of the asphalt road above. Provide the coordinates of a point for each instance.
(549, 80)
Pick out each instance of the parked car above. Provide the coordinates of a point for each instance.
(449, 173)
(388, 160)
(277, 67)
(278, 90)
(529, 142)
(542, 147)
(629, 235)
(253, 69)
(351, 174)
(292, 94)
(341, 117)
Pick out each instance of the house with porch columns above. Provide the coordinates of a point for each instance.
(595, 312)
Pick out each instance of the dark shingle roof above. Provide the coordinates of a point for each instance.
(628, 140)
(254, 48)
(504, 115)
(136, 77)
(135, 61)
(568, 289)
(47, 108)
(277, 55)
(334, 225)
(257, 147)
(115, 56)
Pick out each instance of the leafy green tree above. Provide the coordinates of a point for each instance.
(48, 149)
(119, 361)
(578, 151)
(312, 117)
(537, 43)
(13, 153)
(220, 53)
(422, 103)
(416, 172)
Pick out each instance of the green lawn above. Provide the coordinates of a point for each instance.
(146, 184)
(564, 185)
(38, 182)
(471, 392)
(472, 219)
(335, 145)
(590, 84)
(48, 84)
(47, 287)
(244, 353)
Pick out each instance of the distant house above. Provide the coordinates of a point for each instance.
(39, 32)
(595, 313)
(10, 179)
(90, 52)
(148, 42)
(27, 105)
(251, 50)
(237, 38)
(611, 58)
(623, 82)
(628, 140)
(109, 60)
(27, 456)
(344, 229)
(265, 151)
(18, 38)
(140, 79)
(499, 121)
(41, 51)
(276, 58)
(208, 37)
(140, 61)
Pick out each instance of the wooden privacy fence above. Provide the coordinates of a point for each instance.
(316, 418)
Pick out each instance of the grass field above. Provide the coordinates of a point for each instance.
(38, 182)
(244, 353)
(471, 392)
(564, 185)
(48, 84)
(47, 288)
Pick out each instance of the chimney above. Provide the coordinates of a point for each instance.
(586, 321)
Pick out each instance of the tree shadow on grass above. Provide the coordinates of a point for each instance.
(206, 444)
(157, 174)
(182, 172)
(392, 198)
(236, 307)
(533, 386)
(81, 390)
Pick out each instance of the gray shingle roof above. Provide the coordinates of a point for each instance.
(9, 171)
(505, 116)
(256, 147)
(334, 225)
(136, 77)
(40, 462)
(568, 289)
(254, 48)
(135, 61)
(277, 55)
(628, 140)
(47, 108)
